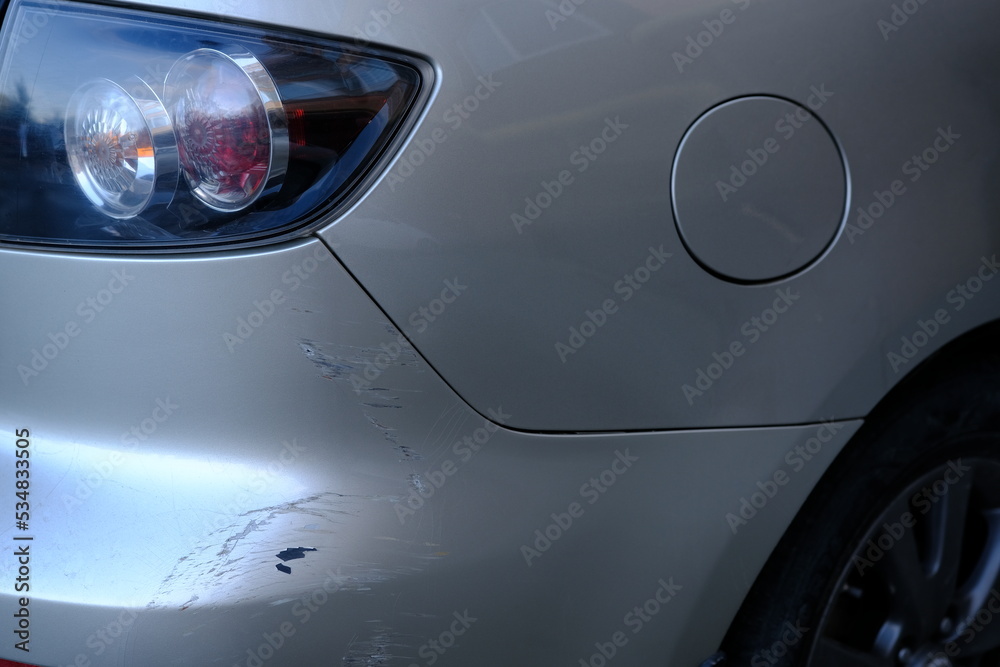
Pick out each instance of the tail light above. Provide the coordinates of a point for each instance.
(133, 129)
(121, 147)
(231, 126)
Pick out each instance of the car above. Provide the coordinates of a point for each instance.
(529, 332)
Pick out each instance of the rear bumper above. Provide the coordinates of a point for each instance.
(235, 459)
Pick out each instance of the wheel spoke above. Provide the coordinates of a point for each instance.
(976, 590)
(945, 525)
(979, 594)
(902, 569)
(926, 580)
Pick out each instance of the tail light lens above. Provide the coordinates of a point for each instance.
(121, 147)
(133, 129)
(231, 126)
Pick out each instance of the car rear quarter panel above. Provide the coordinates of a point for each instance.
(523, 85)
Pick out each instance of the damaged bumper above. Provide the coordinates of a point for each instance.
(236, 459)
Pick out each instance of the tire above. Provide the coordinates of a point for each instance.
(895, 557)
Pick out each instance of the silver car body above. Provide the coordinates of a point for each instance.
(476, 494)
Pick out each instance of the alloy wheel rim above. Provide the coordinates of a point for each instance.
(921, 588)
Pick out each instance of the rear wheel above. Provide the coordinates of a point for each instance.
(920, 588)
(895, 558)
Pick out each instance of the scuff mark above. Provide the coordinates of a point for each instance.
(417, 483)
(359, 366)
(230, 544)
(374, 651)
(387, 431)
(774, 223)
(291, 553)
(408, 453)
(221, 558)
(331, 368)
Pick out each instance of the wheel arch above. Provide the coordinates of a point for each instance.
(946, 369)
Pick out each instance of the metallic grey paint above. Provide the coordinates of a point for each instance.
(173, 526)
(174, 531)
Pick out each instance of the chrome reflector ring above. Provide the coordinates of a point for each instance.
(121, 147)
(231, 126)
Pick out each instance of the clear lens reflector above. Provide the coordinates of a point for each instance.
(233, 135)
(121, 147)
